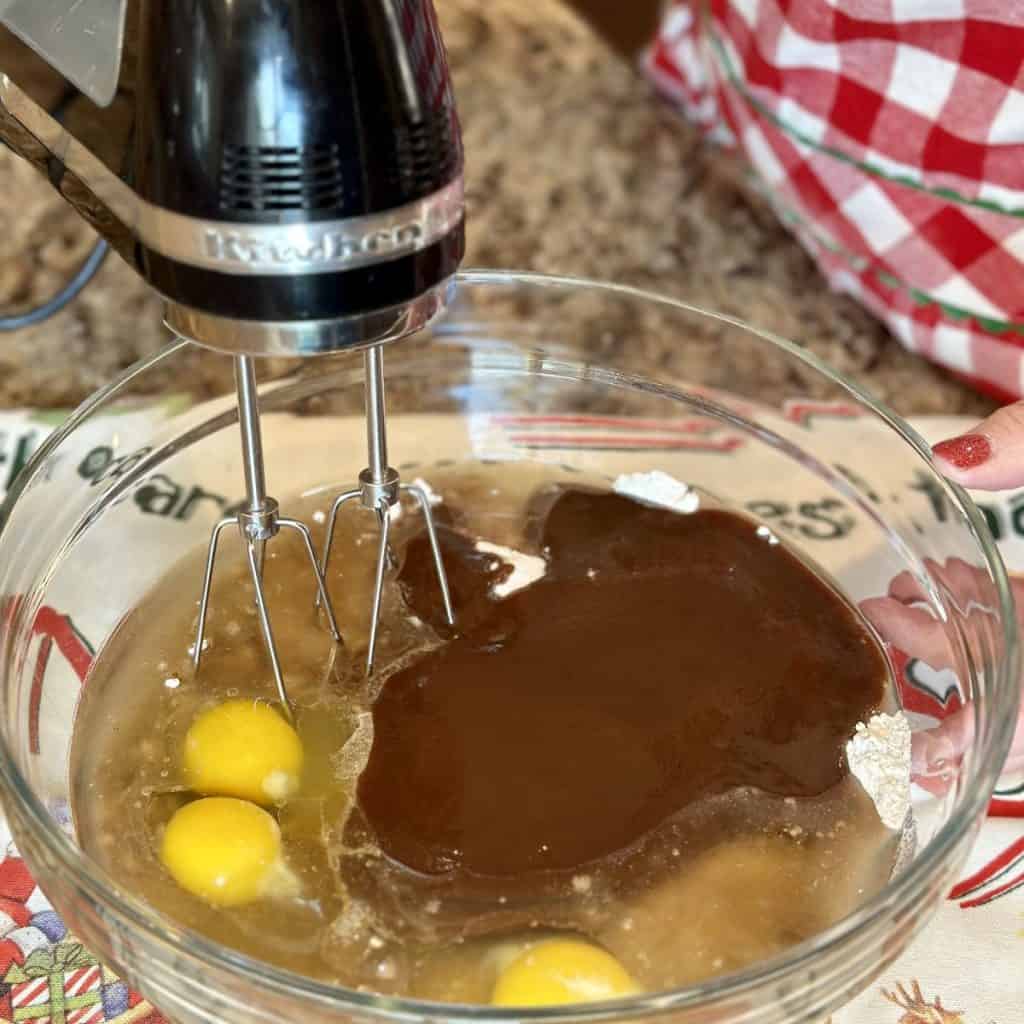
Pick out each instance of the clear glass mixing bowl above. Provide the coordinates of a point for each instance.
(520, 367)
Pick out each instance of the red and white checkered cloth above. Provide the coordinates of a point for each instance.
(889, 134)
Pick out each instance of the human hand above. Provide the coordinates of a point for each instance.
(988, 458)
(991, 456)
(902, 619)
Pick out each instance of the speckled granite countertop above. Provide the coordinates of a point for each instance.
(573, 167)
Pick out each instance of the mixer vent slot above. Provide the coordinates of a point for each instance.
(273, 178)
(425, 152)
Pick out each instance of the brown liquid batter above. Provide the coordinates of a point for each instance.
(644, 746)
(661, 659)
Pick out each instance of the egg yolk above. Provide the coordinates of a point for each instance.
(243, 748)
(559, 971)
(225, 851)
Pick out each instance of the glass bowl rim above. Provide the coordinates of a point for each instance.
(898, 892)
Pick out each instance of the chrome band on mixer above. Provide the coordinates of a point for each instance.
(311, 247)
(307, 337)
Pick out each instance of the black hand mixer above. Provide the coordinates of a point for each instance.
(287, 174)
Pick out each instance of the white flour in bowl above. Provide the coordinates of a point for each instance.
(879, 757)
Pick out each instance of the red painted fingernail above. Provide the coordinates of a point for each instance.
(966, 451)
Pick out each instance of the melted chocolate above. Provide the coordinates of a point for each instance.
(663, 658)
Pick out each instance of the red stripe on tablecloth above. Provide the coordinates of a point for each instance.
(35, 699)
(993, 869)
(611, 442)
(87, 1014)
(27, 994)
(1017, 882)
(80, 979)
(696, 426)
(798, 412)
(51, 623)
(1006, 809)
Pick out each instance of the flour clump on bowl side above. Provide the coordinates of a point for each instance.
(879, 757)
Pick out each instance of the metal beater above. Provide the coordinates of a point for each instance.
(378, 491)
(259, 522)
(287, 174)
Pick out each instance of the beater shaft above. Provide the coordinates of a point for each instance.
(376, 433)
(258, 523)
(252, 435)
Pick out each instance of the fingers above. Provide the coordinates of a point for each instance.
(912, 630)
(902, 621)
(907, 589)
(933, 752)
(991, 456)
(988, 458)
(1015, 759)
(918, 634)
(961, 583)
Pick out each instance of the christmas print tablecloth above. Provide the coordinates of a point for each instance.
(964, 969)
